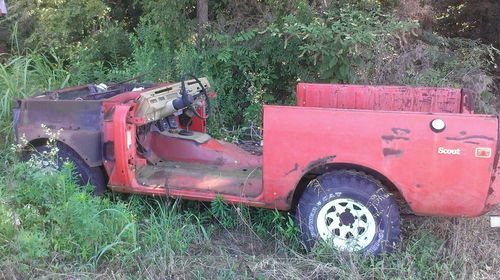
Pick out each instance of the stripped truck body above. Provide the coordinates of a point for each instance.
(424, 145)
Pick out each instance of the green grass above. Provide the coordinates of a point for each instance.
(52, 228)
(24, 76)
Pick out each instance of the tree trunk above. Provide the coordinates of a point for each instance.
(202, 13)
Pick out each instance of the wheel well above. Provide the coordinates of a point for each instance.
(43, 141)
(391, 187)
(25, 151)
(38, 142)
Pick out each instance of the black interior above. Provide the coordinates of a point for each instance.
(93, 92)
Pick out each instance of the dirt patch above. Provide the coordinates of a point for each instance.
(237, 242)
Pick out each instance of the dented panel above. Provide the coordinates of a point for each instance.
(80, 122)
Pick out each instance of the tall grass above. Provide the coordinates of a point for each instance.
(25, 75)
(51, 228)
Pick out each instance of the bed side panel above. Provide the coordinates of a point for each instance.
(446, 173)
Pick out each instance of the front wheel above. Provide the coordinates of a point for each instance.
(350, 211)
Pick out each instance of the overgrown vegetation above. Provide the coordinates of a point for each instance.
(253, 52)
(25, 75)
(51, 228)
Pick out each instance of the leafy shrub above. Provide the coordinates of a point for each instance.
(258, 66)
(335, 42)
(100, 53)
(431, 60)
(54, 24)
(54, 214)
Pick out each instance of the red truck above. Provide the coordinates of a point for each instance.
(347, 159)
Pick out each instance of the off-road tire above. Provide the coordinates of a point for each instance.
(365, 193)
(84, 173)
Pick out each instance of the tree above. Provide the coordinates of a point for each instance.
(202, 13)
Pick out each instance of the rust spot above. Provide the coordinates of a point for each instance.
(468, 100)
(295, 168)
(418, 186)
(463, 132)
(392, 152)
(470, 137)
(392, 137)
(398, 130)
(289, 197)
(219, 160)
(319, 162)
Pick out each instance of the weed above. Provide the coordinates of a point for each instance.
(222, 212)
(32, 246)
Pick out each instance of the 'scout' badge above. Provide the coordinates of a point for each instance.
(444, 151)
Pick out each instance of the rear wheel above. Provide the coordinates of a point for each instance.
(84, 174)
(350, 211)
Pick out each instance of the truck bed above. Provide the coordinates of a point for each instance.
(445, 172)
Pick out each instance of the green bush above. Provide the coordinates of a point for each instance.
(262, 65)
(55, 24)
(55, 215)
(100, 53)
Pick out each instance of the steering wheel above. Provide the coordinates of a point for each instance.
(203, 92)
